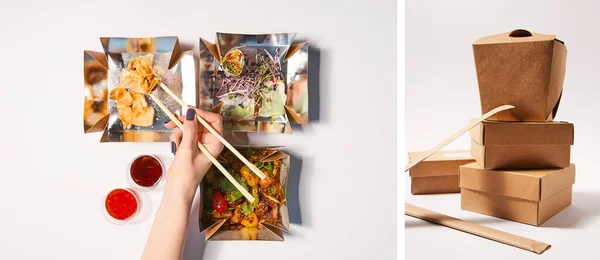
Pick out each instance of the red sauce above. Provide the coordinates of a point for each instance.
(121, 204)
(146, 171)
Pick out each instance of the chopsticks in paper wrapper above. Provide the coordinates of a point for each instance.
(476, 229)
(465, 226)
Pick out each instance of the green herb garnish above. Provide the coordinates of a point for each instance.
(268, 166)
(234, 195)
(227, 186)
(247, 208)
(251, 151)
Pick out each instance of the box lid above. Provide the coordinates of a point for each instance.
(532, 185)
(523, 133)
(440, 163)
(515, 36)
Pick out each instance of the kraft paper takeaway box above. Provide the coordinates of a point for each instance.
(526, 196)
(438, 173)
(523, 69)
(522, 145)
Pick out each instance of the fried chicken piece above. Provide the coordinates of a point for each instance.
(264, 183)
(222, 215)
(274, 214)
(144, 116)
(271, 215)
(140, 76)
(237, 215)
(133, 108)
(262, 207)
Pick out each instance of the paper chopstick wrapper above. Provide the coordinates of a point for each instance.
(476, 229)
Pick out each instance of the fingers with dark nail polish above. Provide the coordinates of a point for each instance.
(190, 115)
(173, 147)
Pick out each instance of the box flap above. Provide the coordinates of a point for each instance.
(265, 234)
(515, 36)
(212, 48)
(533, 185)
(95, 107)
(277, 235)
(293, 117)
(293, 49)
(557, 76)
(276, 155)
(212, 229)
(523, 133)
(218, 108)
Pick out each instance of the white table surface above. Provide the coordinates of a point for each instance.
(54, 176)
(442, 94)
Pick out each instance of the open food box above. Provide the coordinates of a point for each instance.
(258, 82)
(523, 69)
(227, 215)
(127, 116)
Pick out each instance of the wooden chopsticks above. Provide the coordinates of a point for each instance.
(204, 150)
(250, 165)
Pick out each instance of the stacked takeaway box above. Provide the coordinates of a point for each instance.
(438, 173)
(523, 171)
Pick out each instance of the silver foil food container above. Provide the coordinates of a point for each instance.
(217, 230)
(102, 71)
(293, 59)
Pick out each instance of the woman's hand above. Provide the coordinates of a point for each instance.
(190, 165)
(188, 168)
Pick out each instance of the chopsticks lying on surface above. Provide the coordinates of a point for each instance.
(204, 150)
(250, 165)
(476, 229)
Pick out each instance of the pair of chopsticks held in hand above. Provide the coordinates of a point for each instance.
(203, 149)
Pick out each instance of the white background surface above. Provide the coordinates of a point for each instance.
(442, 94)
(54, 177)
